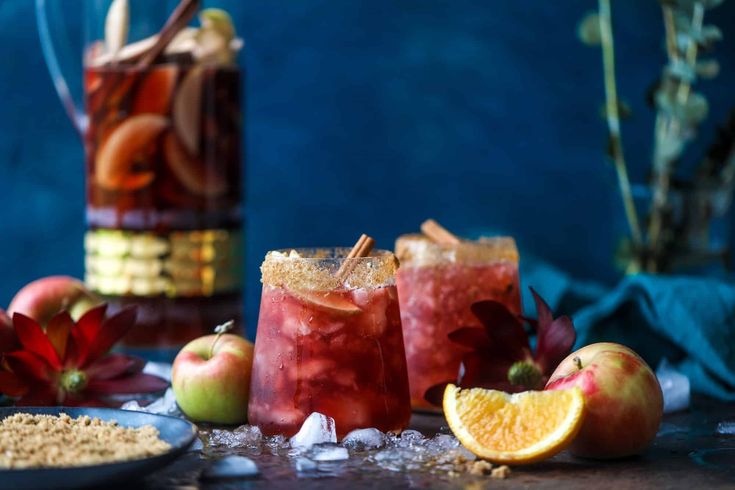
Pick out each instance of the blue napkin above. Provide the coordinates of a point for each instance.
(688, 320)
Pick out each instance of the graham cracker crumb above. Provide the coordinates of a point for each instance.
(44, 441)
(501, 472)
(479, 467)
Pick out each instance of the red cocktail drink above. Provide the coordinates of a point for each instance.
(437, 284)
(328, 346)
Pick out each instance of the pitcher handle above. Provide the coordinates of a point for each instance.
(72, 104)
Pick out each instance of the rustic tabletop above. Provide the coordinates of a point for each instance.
(689, 452)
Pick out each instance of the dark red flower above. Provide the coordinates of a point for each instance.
(69, 364)
(500, 355)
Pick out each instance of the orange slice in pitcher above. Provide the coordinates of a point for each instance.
(327, 301)
(514, 429)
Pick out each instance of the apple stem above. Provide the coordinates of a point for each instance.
(219, 330)
(577, 362)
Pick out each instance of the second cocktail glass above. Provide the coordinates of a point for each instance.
(329, 343)
(437, 285)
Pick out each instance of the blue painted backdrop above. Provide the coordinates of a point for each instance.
(369, 116)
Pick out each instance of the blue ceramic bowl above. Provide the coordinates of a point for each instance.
(179, 433)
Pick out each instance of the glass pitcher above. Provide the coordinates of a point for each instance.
(159, 111)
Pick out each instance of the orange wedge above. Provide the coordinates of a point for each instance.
(514, 429)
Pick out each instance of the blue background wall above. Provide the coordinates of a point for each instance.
(369, 116)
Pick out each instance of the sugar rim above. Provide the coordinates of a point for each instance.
(418, 250)
(315, 269)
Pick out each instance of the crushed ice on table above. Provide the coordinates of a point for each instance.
(411, 451)
(675, 387)
(328, 451)
(364, 439)
(230, 467)
(166, 405)
(304, 465)
(244, 437)
(726, 428)
(317, 428)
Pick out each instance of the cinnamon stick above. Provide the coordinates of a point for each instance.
(179, 18)
(362, 248)
(438, 234)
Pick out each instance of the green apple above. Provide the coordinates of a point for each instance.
(211, 378)
(623, 400)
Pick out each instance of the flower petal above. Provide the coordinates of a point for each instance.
(555, 337)
(34, 340)
(26, 364)
(57, 331)
(136, 383)
(112, 330)
(543, 312)
(503, 328)
(114, 365)
(555, 342)
(12, 385)
(472, 337)
(435, 393)
(90, 323)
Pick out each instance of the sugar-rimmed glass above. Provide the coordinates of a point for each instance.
(329, 345)
(437, 284)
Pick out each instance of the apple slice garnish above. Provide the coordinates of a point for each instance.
(156, 89)
(191, 172)
(116, 158)
(327, 301)
(187, 109)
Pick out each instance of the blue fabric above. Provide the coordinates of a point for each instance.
(688, 320)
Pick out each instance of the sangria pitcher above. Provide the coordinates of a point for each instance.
(161, 127)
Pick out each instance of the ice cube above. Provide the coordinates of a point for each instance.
(364, 439)
(230, 467)
(328, 451)
(726, 428)
(277, 443)
(410, 438)
(244, 436)
(317, 429)
(675, 387)
(305, 465)
(399, 459)
(166, 405)
(443, 442)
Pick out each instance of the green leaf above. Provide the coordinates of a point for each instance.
(588, 29)
(708, 68)
(691, 112)
(681, 70)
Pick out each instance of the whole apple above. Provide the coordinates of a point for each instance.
(211, 378)
(45, 297)
(623, 400)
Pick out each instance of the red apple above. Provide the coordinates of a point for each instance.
(45, 297)
(623, 400)
(212, 384)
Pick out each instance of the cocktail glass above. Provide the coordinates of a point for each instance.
(437, 284)
(329, 345)
(162, 131)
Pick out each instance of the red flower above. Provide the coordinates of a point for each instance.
(500, 355)
(69, 364)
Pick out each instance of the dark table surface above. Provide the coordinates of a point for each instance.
(687, 453)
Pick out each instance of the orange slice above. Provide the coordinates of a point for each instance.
(514, 429)
(327, 301)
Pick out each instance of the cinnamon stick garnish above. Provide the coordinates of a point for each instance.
(438, 234)
(362, 248)
(179, 18)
